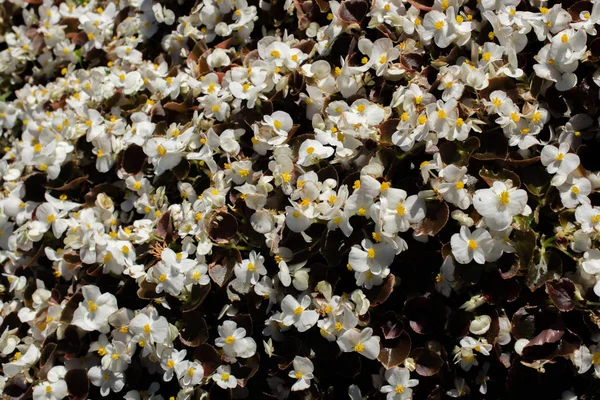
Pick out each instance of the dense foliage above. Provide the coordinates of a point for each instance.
(299, 199)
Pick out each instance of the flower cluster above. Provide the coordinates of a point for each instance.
(246, 198)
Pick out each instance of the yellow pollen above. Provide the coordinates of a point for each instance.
(162, 278)
(504, 198)
(497, 102)
(441, 114)
(107, 257)
(229, 340)
(418, 100)
(332, 199)
(286, 176)
(310, 150)
(422, 119)
(296, 214)
(399, 389)
(438, 25)
(48, 389)
(305, 202)
(277, 124)
(524, 131)
(376, 237)
(170, 364)
(575, 190)
(102, 351)
(417, 21)
(225, 376)
(491, 35)
(459, 185)
(515, 117)
(361, 211)
(364, 60)
(400, 209)
(50, 218)
(460, 122)
(486, 56)
(298, 310)
(404, 116)
(137, 185)
(543, 10)
(472, 244)
(356, 184)
(577, 133)
(339, 326)
(115, 356)
(438, 278)
(92, 306)
(384, 186)
(294, 57)
(371, 253)
(161, 150)
(596, 218)
(244, 173)
(250, 267)
(275, 53)
(382, 59)
(560, 157)
(564, 38)
(596, 358)
(537, 116)
(37, 148)
(215, 108)
(359, 347)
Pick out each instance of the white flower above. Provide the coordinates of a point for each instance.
(499, 204)
(189, 373)
(467, 246)
(223, 377)
(250, 271)
(400, 384)
(150, 326)
(303, 372)
(373, 257)
(107, 381)
(93, 312)
(559, 161)
(588, 217)
(50, 390)
(575, 191)
(362, 342)
(436, 26)
(234, 342)
(297, 314)
(312, 151)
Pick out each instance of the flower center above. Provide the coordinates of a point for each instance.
(459, 185)
(371, 253)
(439, 25)
(359, 347)
(298, 375)
(560, 157)
(250, 267)
(147, 328)
(486, 56)
(504, 198)
(162, 278)
(298, 310)
(225, 376)
(596, 218)
(92, 306)
(170, 364)
(48, 389)
(277, 124)
(596, 358)
(472, 244)
(575, 190)
(399, 389)
(229, 339)
(441, 114)
(115, 356)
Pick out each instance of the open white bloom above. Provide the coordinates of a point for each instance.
(93, 312)
(373, 257)
(559, 161)
(223, 377)
(303, 372)
(234, 342)
(362, 342)
(499, 204)
(399, 384)
(468, 246)
(297, 313)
